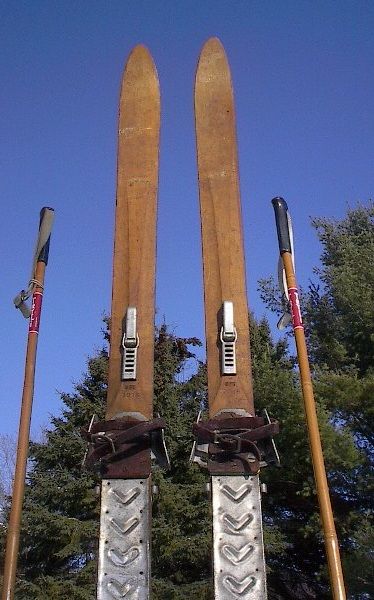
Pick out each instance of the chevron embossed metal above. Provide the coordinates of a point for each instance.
(239, 567)
(124, 553)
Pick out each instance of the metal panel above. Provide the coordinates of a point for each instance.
(239, 562)
(124, 547)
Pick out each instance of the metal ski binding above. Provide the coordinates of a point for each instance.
(228, 337)
(130, 343)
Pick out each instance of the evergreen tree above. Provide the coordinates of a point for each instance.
(181, 529)
(343, 305)
(339, 318)
(60, 524)
(61, 512)
(293, 543)
(339, 308)
(60, 517)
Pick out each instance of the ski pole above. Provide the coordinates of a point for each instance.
(35, 289)
(331, 541)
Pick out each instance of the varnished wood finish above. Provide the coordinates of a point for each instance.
(222, 240)
(135, 232)
(14, 525)
(327, 517)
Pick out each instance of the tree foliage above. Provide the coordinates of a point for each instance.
(345, 373)
(339, 318)
(7, 466)
(340, 307)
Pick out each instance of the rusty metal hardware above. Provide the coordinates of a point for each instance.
(121, 447)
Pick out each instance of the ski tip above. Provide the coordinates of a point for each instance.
(140, 63)
(212, 59)
(140, 53)
(212, 46)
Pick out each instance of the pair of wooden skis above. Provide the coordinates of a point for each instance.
(233, 442)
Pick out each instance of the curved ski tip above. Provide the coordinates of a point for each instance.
(212, 43)
(140, 55)
(212, 46)
(140, 52)
(212, 59)
(140, 60)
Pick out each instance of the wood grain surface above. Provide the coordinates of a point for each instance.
(135, 232)
(221, 226)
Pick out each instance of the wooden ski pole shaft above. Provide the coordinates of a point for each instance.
(331, 540)
(14, 526)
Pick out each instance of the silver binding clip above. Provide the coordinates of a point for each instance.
(228, 338)
(130, 343)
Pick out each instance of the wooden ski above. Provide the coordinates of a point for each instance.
(232, 442)
(135, 234)
(121, 445)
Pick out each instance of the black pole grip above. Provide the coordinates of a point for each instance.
(44, 252)
(281, 220)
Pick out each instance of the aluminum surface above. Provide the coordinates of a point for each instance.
(239, 562)
(124, 546)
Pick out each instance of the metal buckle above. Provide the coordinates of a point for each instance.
(228, 337)
(228, 438)
(130, 343)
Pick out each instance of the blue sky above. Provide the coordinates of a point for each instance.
(304, 89)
